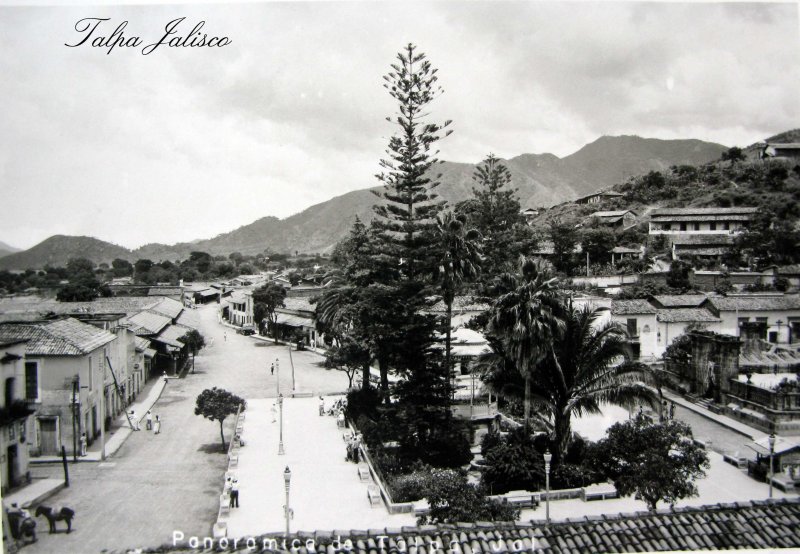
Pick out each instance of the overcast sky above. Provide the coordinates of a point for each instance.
(188, 143)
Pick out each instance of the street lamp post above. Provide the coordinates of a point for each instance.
(287, 511)
(281, 451)
(771, 452)
(547, 458)
(278, 374)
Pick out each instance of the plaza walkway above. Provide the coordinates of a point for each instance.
(723, 483)
(326, 492)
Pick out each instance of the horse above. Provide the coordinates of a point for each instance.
(22, 527)
(63, 514)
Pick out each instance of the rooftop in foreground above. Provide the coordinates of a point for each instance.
(759, 524)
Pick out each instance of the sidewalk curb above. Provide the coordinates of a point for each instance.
(703, 413)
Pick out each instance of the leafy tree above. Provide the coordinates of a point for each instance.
(82, 291)
(526, 319)
(122, 268)
(194, 341)
(349, 356)
(217, 404)
(80, 268)
(733, 154)
(452, 500)
(678, 275)
(201, 260)
(460, 259)
(598, 243)
(142, 268)
(564, 238)
(656, 463)
(266, 300)
(770, 239)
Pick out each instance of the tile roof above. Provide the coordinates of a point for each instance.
(171, 335)
(678, 300)
(617, 213)
(34, 308)
(703, 211)
(755, 303)
(631, 307)
(148, 323)
(760, 524)
(188, 318)
(299, 303)
(677, 315)
(164, 291)
(61, 337)
(141, 344)
(168, 307)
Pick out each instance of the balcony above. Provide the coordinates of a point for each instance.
(18, 409)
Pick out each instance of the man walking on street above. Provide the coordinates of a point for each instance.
(134, 421)
(272, 369)
(149, 420)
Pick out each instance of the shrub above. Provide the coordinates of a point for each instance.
(363, 402)
(453, 500)
(513, 464)
(411, 486)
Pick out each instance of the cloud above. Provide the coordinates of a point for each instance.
(189, 143)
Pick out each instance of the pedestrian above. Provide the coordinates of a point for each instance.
(149, 419)
(272, 369)
(340, 419)
(83, 444)
(321, 406)
(225, 336)
(235, 493)
(134, 421)
(157, 425)
(672, 410)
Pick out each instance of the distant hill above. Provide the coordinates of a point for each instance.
(58, 249)
(541, 180)
(6, 249)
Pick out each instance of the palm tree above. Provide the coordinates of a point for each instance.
(460, 261)
(527, 319)
(587, 368)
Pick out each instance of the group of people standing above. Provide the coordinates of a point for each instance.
(152, 424)
(667, 410)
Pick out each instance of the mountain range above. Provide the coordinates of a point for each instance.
(540, 180)
(6, 249)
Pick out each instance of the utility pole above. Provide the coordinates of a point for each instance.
(76, 405)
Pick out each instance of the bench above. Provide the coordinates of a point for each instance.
(421, 507)
(599, 491)
(220, 530)
(240, 429)
(224, 505)
(233, 462)
(374, 495)
(736, 459)
(521, 499)
(363, 472)
(347, 435)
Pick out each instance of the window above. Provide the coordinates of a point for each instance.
(696, 226)
(713, 227)
(726, 226)
(667, 227)
(9, 392)
(683, 226)
(631, 325)
(32, 380)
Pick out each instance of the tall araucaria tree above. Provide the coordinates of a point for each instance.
(406, 216)
(494, 210)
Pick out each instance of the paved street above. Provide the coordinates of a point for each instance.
(159, 483)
